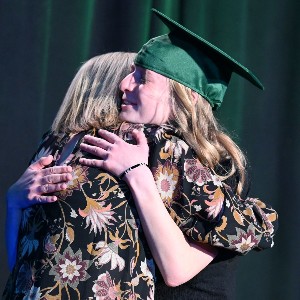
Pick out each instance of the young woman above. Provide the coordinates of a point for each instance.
(199, 172)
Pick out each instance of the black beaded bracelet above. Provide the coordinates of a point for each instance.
(131, 168)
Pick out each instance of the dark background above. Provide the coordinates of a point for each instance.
(43, 43)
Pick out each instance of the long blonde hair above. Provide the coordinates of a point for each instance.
(201, 130)
(93, 97)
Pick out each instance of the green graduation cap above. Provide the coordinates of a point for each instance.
(191, 60)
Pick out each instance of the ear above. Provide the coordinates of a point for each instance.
(195, 97)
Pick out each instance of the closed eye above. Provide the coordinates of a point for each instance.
(139, 77)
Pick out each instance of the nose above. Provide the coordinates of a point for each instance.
(126, 83)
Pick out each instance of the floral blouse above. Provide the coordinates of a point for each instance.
(206, 209)
(90, 245)
(87, 245)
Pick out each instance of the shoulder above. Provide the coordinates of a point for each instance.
(224, 168)
(155, 134)
(167, 135)
(48, 144)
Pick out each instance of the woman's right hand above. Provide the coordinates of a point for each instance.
(36, 183)
(112, 153)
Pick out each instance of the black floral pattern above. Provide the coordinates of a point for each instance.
(206, 209)
(87, 245)
(90, 244)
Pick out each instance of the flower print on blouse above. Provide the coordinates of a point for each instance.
(206, 209)
(87, 245)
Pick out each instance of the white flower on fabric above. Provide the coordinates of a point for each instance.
(166, 178)
(97, 216)
(73, 213)
(166, 185)
(145, 269)
(34, 294)
(244, 241)
(121, 195)
(109, 253)
(197, 173)
(69, 269)
(198, 207)
(177, 146)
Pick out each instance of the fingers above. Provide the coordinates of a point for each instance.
(91, 162)
(95, 141)
(50, 188)
(45, 199)
(95, 150)
(56, 178)
(141, 141)
(48, 181)
(42, 162)
(140, 137)
(109, 136)
(57, 170)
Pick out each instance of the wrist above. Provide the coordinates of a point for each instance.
(11, 200)
(136, 175)
(12, 210)
(122, 176)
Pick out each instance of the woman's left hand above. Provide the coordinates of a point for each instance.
(115, 155)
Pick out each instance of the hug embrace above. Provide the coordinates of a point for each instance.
(136, 191)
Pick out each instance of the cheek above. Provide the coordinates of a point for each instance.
(161, 101)
(164, 100)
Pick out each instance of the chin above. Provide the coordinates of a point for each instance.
(127, 118)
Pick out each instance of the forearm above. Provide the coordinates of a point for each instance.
(177, 259)
(13, 219)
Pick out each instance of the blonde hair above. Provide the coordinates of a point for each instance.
(93, 97)
(201, 130)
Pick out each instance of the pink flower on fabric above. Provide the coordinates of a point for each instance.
(166, 177)
(215, 204)
(244, 241)
(196, 172)
(105, 289)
